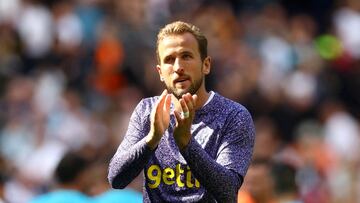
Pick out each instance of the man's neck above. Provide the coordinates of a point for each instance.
(203, 96)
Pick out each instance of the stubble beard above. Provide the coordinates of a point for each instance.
(194, 87)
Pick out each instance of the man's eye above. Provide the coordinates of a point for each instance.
(169, 60)
(186, 56)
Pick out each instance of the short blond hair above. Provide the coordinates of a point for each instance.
(178, 28)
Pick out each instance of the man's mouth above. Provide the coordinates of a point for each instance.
(181, 80)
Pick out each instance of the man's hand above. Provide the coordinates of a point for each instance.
(160, 119)
(182, 131)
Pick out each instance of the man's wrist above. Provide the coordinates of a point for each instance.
(151, 140)
(184, 142)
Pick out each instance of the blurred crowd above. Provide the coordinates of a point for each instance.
(72, 71)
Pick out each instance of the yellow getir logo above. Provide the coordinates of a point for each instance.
(170, 176)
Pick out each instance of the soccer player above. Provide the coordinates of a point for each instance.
(193, 145)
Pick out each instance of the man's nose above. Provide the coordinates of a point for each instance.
(178, 66)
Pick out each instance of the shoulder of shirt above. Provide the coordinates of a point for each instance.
(149, 100)
(146, 104)
(232, 111)
(226, 103)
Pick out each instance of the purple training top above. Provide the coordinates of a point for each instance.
(210, 169)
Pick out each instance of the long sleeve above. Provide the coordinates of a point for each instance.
(223, 177)
(127, 164)
(132, 154)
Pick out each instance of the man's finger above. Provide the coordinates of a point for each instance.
(178, 117)
(184, 107)
(161, 100)
(166, 106)
(189, 101)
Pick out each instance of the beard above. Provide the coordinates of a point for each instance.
(192, 89)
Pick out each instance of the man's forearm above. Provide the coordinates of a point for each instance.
(127, 163)
(221, 182)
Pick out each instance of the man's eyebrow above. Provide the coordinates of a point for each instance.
(168, 55)
(186, 52)
(180, 52)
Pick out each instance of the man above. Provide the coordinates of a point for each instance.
(259, 184)
(270, 181)
(194, 145)
(69, 174)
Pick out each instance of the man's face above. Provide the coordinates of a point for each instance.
(181, 67)
(258, 181)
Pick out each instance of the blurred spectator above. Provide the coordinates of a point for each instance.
(19, 128)
(68, 30)
(68, 174)
(347, 25)
(267, 142)
(109, 57)
(100, 190)
(10, 60)
(90, 15)
(270, 182)
(9, 10)
(311, 156)
(94, 182)
(2, 180)
(286, 188)
(258, 184)
(342, 135)
(35, 26)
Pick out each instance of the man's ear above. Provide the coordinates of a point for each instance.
(207, 65)
(160, 73)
